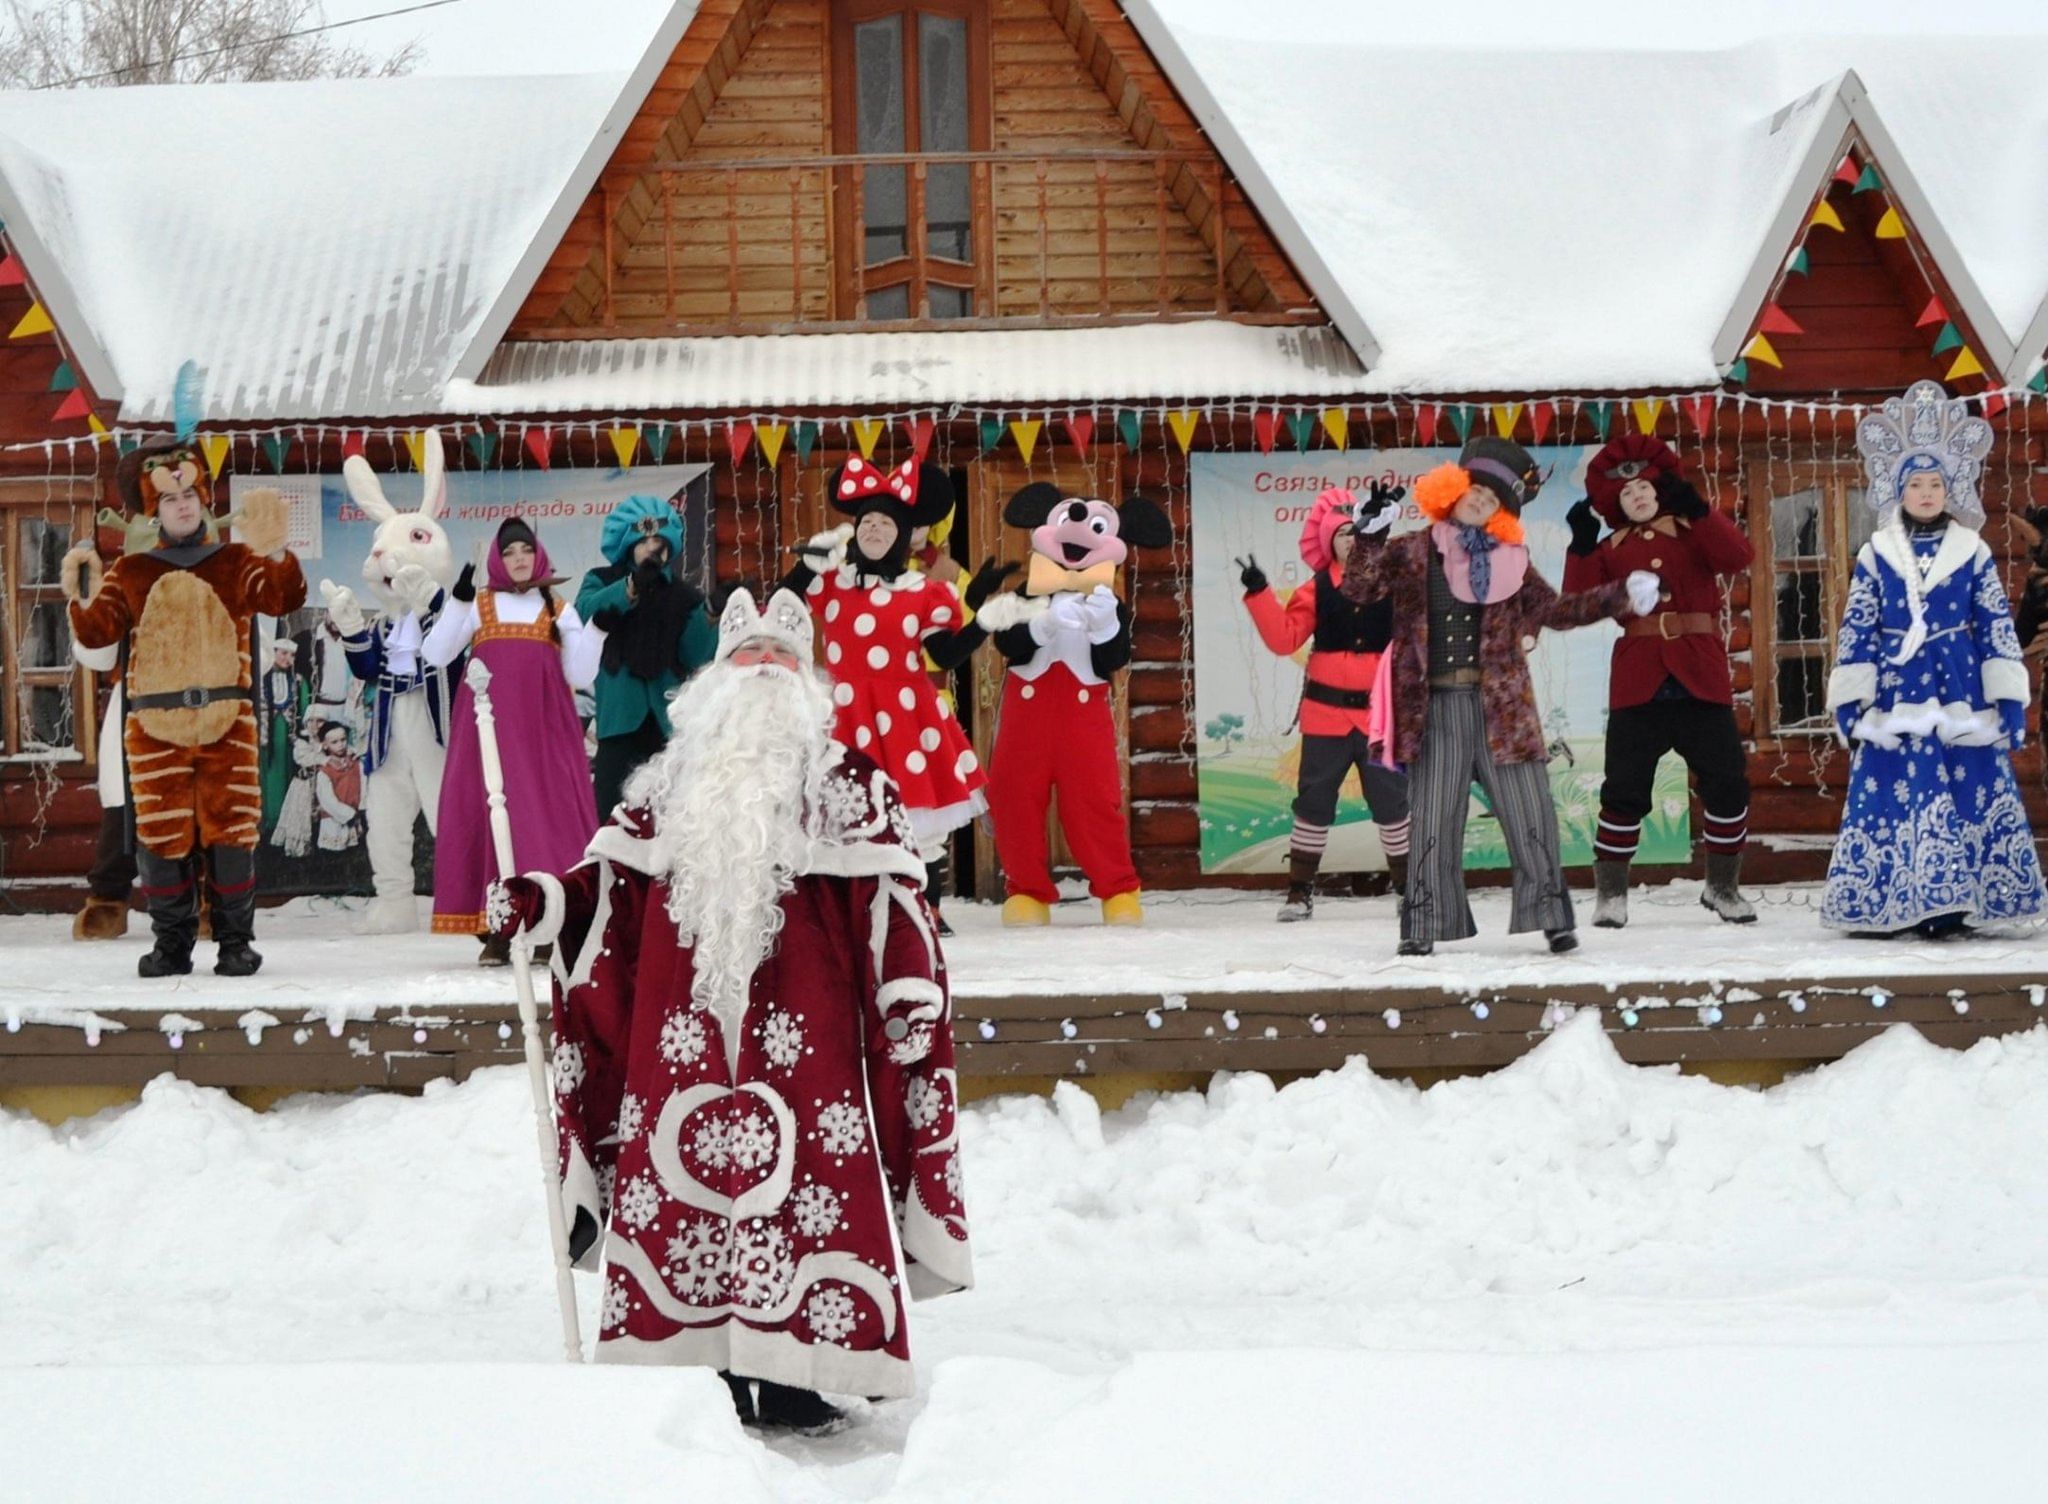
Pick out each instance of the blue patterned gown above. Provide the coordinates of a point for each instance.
(1933, 823)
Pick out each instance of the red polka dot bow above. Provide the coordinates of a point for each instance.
(863, 478)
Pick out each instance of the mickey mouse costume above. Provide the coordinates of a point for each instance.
(1669, 687)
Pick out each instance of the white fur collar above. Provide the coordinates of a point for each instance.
(1959, 546)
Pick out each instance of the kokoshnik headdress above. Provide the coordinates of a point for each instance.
(1925, 430)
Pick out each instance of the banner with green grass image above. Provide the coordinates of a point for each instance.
(1247, 744)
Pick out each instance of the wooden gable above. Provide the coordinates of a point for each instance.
(42, 394)
(1097, 200)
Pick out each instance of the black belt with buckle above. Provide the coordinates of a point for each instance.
(189, 699)
(1342, 699)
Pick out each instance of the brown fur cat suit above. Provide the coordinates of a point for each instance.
(186, 609)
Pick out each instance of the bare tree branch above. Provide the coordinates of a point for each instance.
(108, 43)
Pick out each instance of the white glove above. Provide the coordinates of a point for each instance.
(827, 550)
(412, 584)
(1643, 589)
(343, 610)
(1098, 612)
(1064, 614)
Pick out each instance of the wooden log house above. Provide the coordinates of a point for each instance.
(1048, 239)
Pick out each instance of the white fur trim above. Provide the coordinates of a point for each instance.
(1959, 545)
(1955, 723)
(999, 613)
(554, 906)
(1852, 684)
(926, 996)
(778, 1357)
(2006, 679)
(100, 660)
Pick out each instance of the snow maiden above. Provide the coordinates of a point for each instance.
(1930, 691)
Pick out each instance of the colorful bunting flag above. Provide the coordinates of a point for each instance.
(1299, 426)
(1950, 338)
(1025, 432)
(625, 444)
(275, 447)
(1080, 429)
(1182, 422)
(1995, 403)
(1825, 217)
(1933, 313)
(1739, 372)
(1505, 416)
(920, 431)
(1461, 420)
(991, 433)
(2040, 382)
(1647, 411)
(539, 443)
(807, 439)
(1798, 266)
(656, 437)
(1425, 424)
(1540, 416)
(865, 432)
(1891, 227)
(215, 447)
(352, 442)
(770, 436)
(1130, 424)
(1966, 364)
(1776, 320)
(416, 446)
(1846, 173)
(35, 321)
(1266, 428)
(1602, 414)
(74, 405)
(1760, 349)
(1700, 409)
(63, 379)
(483, 447)
(739, 438)
(12, 273)
(1867, 180)
(1337, 424)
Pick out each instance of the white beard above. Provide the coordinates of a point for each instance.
(734, 796)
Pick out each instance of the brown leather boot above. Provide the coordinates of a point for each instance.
(100, 919)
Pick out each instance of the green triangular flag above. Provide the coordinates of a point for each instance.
(484, 446)
(126, 443)
(1798, 268)
(2040, 381)
(656, 437)
(1461, 419)
(1868, 181)
(1602, 414)
(1950, 338)
(64, 379)
(991, 433)
(806, 440)
(1301, 425)
(275, 447)
(1130, 423)
(1739, 372)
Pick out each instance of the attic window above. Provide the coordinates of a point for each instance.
(911, 100)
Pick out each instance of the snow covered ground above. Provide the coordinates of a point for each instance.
(1572, 1280)
(1207, 941)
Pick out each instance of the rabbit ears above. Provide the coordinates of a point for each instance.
(368, 492)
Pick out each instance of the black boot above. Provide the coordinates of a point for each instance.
(742, 1396)
(785, 1407)
(173, 898)
(231, 886)
(1561, 941)
(1397, 875)
(1301, 886)
(934, 890)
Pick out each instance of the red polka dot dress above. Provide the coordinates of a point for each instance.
(874, 635)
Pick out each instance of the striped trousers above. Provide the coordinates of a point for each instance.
(1454, 757)
(186, 798)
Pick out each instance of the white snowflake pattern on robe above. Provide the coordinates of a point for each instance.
(696, 1259)
(762, 1266)
(639, 1203)
(842, 1128)
(632, 1116)
(712, 1142)
(782, 1039)
(616, 1304)
(568, 1067)
(830, 1314)
(954, 1183)
(846, 805)
(683, 1038)
(923, 1101)
(752, 1142)
(816, 1209)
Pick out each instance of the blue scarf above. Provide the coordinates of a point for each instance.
(1479, 545)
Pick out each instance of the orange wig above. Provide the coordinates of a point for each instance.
(1442, 488)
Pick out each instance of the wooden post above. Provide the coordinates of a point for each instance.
(920, 243)
(860, 242)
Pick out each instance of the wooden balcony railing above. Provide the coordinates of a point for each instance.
(779, 245)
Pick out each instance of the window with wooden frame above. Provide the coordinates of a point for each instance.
(1810, 522)
(44, 705)
(911, 94)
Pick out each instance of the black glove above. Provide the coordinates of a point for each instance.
(1684, 501)
(1585, 526)
(464, 588)
(1250, 575)
(647, 578)
(987, 581)
(1379, 498)
(2037, 519)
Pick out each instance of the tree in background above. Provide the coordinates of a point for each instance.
(108, 43)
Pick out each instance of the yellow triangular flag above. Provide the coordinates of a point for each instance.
(625, 444)
(1646, 411)
(1505, 416)
(1025, 432)
(215, 447)
(1760, 349)
(35, 321)
(1891, 227)
(99, 429)
(1825, 216)
(1183, 425)
(867, 430)
(770, 436)
(1966, 365)
(416, 446)
(1336, 423)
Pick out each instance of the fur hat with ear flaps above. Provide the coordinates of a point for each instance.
(147, 473)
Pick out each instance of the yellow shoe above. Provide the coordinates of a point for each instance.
(1020, 909)
(1123, 908)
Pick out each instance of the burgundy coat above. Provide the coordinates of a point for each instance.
(1687, 555)
(1507, 631)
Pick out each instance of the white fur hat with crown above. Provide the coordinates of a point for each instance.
(786, 620)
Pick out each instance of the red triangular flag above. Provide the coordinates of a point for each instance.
(1777, 321)
(1935, 314)
(352, 443)
(1995, 403)
(920, 431)
(1080, 430)
(1266, 428)
(1425, 423)
(1848, 172)
(538, 442)
(1540, 416)
(739, 434)
(11, 272)
(1700, 409)
(73, 406)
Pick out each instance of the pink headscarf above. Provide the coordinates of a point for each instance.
(494, 564)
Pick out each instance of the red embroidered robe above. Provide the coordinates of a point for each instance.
(770, 1188)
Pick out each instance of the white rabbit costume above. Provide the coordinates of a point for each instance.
(408, 571)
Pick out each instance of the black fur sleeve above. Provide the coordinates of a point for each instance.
(948, 650)
(1016, 644)
(1108, 657)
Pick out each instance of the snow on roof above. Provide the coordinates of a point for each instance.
(1195, 360)
(1529, 221)
(321, 249)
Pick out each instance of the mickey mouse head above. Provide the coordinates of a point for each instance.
(1079, 532)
